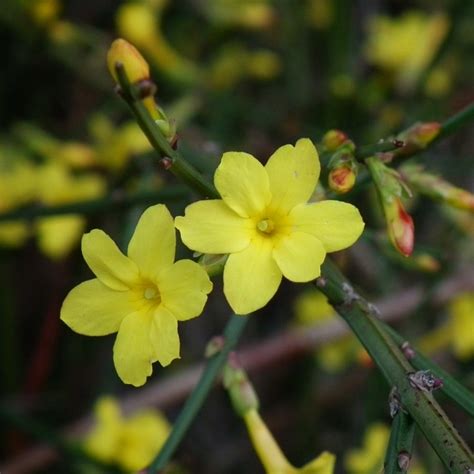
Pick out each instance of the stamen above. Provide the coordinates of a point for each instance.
(266, 225)
(151, 293)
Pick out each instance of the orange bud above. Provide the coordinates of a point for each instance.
(342, 179)
(122, 52)
(400, 227)
(333, 139)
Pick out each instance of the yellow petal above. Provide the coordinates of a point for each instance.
(107, 262)
(184, 287)
(142, 438)
(211, 227)
(164, 336)
(153, 243)
(299, 256)
(93, 309)
(293, 172)
(323, 464)
(133, 352)
(243, 183)
(251, 277)
(58, 235)
(336, 224)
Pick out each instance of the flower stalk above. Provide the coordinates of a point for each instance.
(361, 316)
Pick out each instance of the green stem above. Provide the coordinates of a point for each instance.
(112, 201)
(400, 443)
(177, 165)
(454, 123)
(451, 387)
(360, 315)
(382, 147)
(232, 333)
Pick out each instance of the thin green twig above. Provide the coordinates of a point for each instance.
(361, 316)
(400, 445)
(194, 402)
(454, 123)
(451, 387)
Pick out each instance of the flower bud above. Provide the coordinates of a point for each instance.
(239, 387)
(333, 139)
(401, 229)
(418, 137)
(390, 188)
(437, 188)
(342, 179)
(122, 52)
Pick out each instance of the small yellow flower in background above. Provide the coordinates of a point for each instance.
(115, 145)
(371, 456)
(130, 443)
(17, 188)
(140, 23)
(266, 224)
(406, 45)
(312, 308)
(271, 456)
(142, 296)
(457, 332)
(252, 14)
(57, 235)
(461, 325)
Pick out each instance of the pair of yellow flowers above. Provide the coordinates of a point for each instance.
(265, 224)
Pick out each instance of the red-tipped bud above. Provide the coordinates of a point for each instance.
(333, 139)
(401, 229)
(418, 137)
(342, 179)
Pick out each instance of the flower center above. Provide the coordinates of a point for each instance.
(151, 293)
(266, 226)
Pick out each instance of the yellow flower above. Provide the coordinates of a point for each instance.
(406, 45)
(142, 295)
(271, 456)
(461, 325)
(266, 224)
(57, 235)
(457, 332)
(129, 443)
(370, 457)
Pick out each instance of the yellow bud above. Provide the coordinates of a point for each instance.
(333, 139)
(122, 52)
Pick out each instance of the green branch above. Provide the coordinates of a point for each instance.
(451, 387)
(231, 335)
(400, 445)
(177, 165)
(457, 121)
(360, 315)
